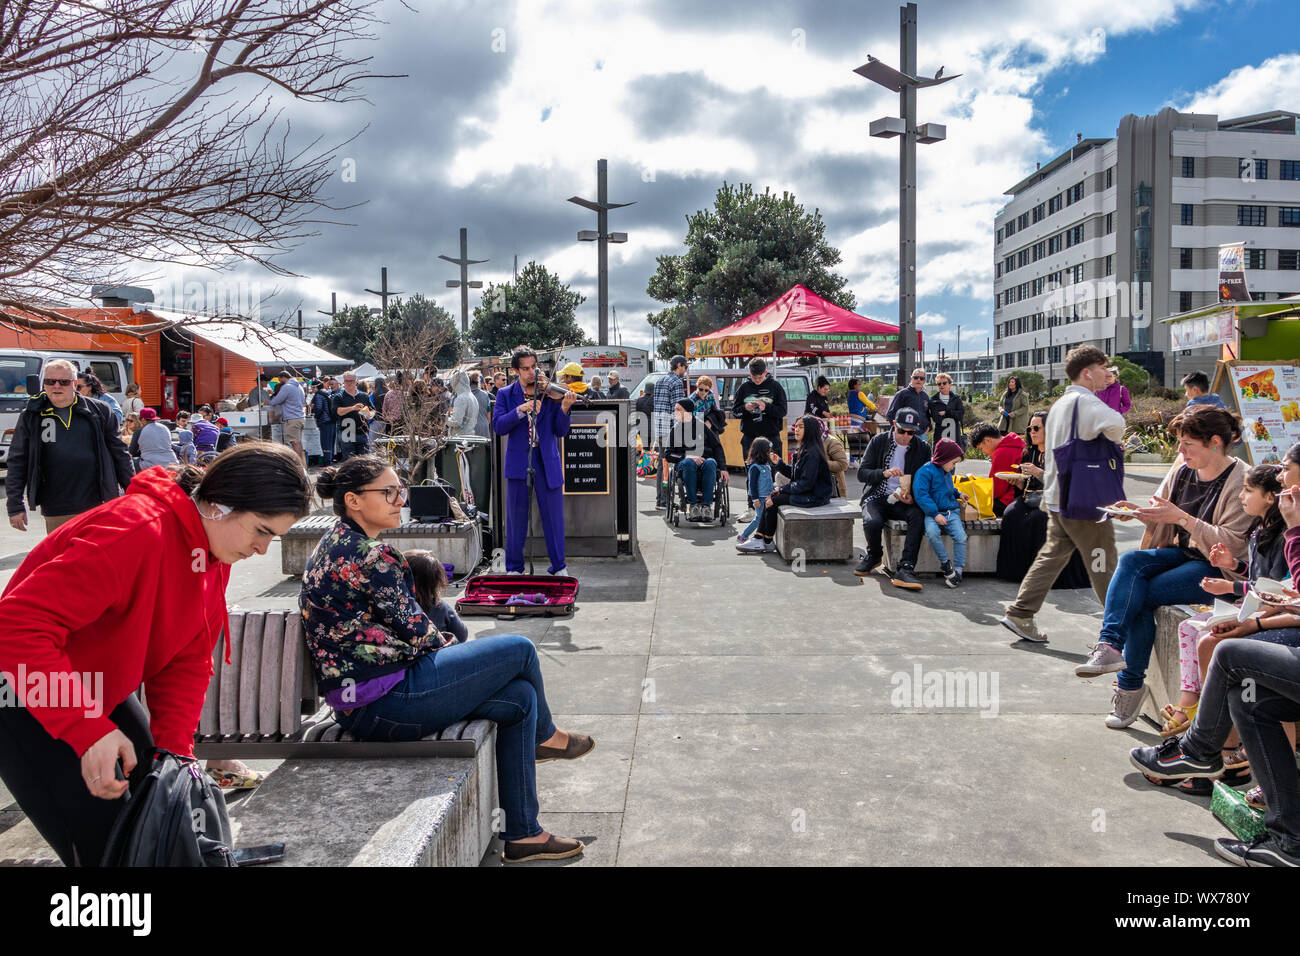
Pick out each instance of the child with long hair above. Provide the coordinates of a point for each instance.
(758, 483)
(429, 584)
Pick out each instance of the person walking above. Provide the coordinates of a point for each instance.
(324, 415)
(289, 399)
(66, 455)
(1115, 395)
(1014, 415)
(134, 403)
(1081, 413)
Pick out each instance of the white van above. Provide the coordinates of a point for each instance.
(21, 372)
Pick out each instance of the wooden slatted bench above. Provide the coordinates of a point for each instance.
(459, 543)
(983, 538)
(824, 533)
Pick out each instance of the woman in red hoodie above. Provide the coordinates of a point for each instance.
(131, 593)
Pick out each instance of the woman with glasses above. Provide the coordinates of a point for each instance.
(947, 412)
(391, 674)
(1024, 522)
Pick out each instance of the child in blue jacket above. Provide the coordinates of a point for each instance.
(936, 495)
(758, 483)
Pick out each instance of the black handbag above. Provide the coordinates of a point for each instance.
(175, 817)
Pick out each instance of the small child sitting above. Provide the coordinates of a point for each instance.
(429, 582)
(758, 483)
(936, 495)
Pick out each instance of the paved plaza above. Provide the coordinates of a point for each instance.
(748, 714)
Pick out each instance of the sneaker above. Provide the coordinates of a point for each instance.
(748, 516)
(1105, 659)
(1170, 762)
(961, 575)
(904, 578)
(868, 564)
(752, 546)
(741, 539)
(1024, 628)
(1124, 708)
(769, 545)
(950, 577)
(1263, 851)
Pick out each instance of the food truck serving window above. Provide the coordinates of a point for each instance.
(14, 370)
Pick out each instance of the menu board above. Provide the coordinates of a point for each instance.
(1268, 397)
(585, 454)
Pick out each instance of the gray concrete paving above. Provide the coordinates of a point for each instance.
(745, 713)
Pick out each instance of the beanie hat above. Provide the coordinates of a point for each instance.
(946, 450)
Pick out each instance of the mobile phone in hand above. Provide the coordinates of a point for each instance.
(253, 855)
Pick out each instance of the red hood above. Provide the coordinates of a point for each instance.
(1012, 440)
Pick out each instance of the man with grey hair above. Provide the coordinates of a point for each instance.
(616, 389)
(66, 454)
(913, 397)
(482, 425)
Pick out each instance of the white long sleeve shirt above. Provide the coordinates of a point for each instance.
(1095, 418)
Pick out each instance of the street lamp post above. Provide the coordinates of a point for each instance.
(463, 282)
(905, 83)
(602, 237)
(383, 291)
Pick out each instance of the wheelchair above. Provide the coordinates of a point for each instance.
(719, 503)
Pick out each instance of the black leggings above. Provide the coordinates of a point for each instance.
(44, 776)
(767, 527)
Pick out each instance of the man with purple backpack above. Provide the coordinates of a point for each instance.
(1078, 409)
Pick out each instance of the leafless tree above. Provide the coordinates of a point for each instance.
(135, 133)
(422, 428)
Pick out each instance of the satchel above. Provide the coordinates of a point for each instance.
(1090, 472)
(176, 817)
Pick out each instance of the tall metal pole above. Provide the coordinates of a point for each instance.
(959, 352)
(602, 245)
(465, 285)
(907, 199)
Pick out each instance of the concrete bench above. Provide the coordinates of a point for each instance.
(459, 544)
(1163, 672)
(824, 533)
(983, 538)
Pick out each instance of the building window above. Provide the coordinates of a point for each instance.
(1078, 272)
(1187, 214)
(1184, 302)
(1189, 167)
(1110, 265)
(1251, 215)
(1287, 216)
(1184, 258)
(1074, 194)
(1257, 297)
(1054, 204)
(1008, 264)
(1110, 178)
(1254, 258)
(1261, 169)
(1288, 258)
(1023, 223)
(999, 239)
(1022, 258)
(1289, 169)
(1040, 212)
(1055, 243)
(1074, 235)
(1010, 228)
(1110, 223)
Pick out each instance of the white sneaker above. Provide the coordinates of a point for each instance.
(769, 545)
(748, 516)
(752, 546)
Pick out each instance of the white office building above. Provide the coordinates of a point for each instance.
(1112, 235)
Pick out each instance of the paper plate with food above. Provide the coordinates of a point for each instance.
(1274, 593)
(1008, 475)
(1120, 509)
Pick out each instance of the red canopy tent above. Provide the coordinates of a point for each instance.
(798, 323)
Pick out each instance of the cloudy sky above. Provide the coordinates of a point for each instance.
(507, 107)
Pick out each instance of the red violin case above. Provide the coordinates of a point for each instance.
(487, 594)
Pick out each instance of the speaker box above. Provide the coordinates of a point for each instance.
(429, 503)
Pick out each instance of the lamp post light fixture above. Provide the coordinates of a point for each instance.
(383, 291)
(602, 237)
(463, 282)
(905, 83)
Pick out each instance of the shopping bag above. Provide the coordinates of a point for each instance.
(980, 491)
(1090, 472)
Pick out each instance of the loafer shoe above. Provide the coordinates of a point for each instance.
(579, 746)
(555, 848)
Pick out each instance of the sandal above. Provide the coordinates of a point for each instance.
(1173, 725)
(1255, 798)
(236, 779)
(1234, 758)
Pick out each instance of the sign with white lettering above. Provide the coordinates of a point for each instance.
(585, 453)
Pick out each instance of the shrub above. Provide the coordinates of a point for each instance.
(1033, 383)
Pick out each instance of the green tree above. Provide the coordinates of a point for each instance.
(1033, 383)
(351, 333)
(740, 255)
(536, 310)
(410, 316)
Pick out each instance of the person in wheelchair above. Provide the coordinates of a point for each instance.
(696, 454)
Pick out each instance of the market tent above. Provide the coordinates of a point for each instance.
(798, 323)
(258, 344)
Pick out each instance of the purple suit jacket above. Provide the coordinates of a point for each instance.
(552, 424)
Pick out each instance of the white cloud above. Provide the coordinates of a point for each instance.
(1273, 84)
(930, 319)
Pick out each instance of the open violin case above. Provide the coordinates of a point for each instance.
(519, 595)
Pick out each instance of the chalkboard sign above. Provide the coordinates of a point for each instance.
(585, 452)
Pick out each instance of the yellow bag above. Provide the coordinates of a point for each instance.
(980, 491)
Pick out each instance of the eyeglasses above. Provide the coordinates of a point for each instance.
(392, 494)
(59, 382)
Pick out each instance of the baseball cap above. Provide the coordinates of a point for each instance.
(908, 420)
(573, 368)
(148, 414)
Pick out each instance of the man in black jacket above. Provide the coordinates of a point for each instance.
(887, 458)
(694, 448)
(760, 405)
(66, 453)
(913, 397)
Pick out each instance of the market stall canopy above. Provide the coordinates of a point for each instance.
(798, 323)
(259, 344)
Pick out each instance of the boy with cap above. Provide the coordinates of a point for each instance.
(939, 499)
(888, 458)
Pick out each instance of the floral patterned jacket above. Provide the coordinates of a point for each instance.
(360, 616)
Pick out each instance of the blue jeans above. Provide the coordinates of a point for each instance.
(760, 505)
(1144, 581)
(955, 529)
(328, 431)
(495, 678)
(692, 471)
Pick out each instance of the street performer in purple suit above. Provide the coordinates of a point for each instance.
(515, 406)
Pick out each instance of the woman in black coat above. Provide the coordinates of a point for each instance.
(811, 484)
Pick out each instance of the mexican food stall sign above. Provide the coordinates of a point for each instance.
(1267, 395)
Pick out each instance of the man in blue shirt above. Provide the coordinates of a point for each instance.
(1196, 386)
(669, 390)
